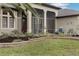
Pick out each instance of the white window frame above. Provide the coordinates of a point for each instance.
(8, 16)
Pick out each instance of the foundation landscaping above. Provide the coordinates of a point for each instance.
(13, 44)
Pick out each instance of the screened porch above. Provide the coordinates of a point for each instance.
(45, 22)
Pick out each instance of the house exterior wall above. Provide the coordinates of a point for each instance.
(68, 23)
(18, 20)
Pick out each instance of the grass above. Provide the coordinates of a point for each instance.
(45, 47)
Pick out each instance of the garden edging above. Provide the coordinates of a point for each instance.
(72, 38)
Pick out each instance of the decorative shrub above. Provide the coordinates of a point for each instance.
(42, 34)
(5, 38)
(36, 36)
(61, 34)
(9, 37)
(17, 34)
(30, 35)
(70, 32)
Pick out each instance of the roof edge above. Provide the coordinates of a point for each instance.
(48, 5)
(67, 16)
(52, 6)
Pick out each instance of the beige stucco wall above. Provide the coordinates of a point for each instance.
(68, 23)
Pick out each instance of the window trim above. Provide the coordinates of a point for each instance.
(8, 16)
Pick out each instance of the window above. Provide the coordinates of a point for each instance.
(4, 12)
(4, 22)
(7, 20)
(11, 22)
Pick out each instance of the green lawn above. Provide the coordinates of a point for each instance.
(44, 47)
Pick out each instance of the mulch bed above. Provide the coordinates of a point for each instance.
(11, 39)
(8, 42)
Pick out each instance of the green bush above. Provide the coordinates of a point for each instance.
(70, 32)
(61, 34)
(3, 35)
(29, 34)
(13, 36)
(14, 33)
(42, 34)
